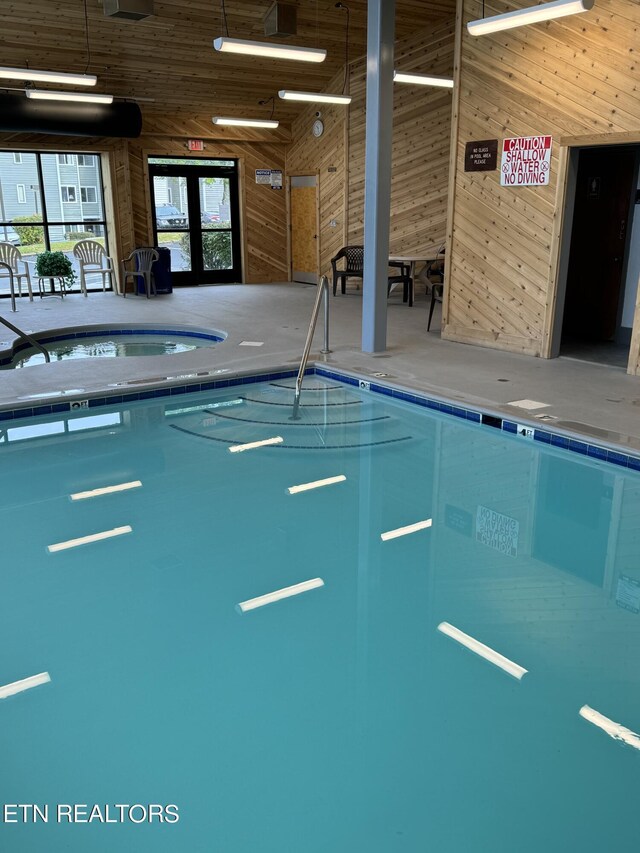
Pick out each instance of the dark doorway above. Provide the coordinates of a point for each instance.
(196, 215)
(605, 188)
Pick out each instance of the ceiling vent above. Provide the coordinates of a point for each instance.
(281, 20)
(128, 10)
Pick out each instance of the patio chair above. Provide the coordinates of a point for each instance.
(434, 274)
(354, 266)
(92, 258)
(143, 258)
(11, 256)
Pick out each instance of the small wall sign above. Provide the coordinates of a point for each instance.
(263, 176)
(195, 145)
(481, 155)
(276, 179)
(628, 593)
(526, 161)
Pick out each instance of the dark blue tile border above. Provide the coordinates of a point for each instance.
(564, 442)
(544, 436)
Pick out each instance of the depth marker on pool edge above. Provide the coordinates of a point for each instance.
(25, 684)
(404, 531)
(279, 594)
(305, 487)
(486, 652)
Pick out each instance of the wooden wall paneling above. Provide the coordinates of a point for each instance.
(574, 79)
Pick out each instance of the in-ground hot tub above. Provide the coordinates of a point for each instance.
(109, 342)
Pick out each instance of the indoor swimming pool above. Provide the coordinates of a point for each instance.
(377, 629)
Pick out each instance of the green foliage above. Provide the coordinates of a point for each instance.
(56, 264)
(80, 235)
(29, 234)
(216, 249)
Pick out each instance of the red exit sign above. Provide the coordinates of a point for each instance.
(195, 145)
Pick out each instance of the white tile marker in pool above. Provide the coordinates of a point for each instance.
(105, 490)
(238, 448)
(404, 531)
(615, 730)
(279, 594)
(483, 651)
(25, 684)
(317, 484)
(93, 537)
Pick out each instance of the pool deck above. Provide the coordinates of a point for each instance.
(599, 401)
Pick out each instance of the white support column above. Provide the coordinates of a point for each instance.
(377, 195)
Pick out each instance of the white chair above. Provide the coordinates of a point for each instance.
(143, 259)
(11, 256)
(92, 258)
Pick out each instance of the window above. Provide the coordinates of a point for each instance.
(68, 194)
(88, 195)
(38, 188)
(169, 195)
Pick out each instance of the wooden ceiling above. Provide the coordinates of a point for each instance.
(169, 57)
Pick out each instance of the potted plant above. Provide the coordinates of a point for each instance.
(56, 265)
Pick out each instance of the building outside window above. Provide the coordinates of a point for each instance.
(43, 205)
(68, 194)
(88, 195)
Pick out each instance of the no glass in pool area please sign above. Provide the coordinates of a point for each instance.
(526, 161)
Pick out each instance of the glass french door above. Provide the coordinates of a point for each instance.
(196, 215)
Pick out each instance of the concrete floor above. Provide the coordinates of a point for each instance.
(599, 401)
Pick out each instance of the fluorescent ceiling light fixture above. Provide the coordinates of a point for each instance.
(404, 531)
(615, 730)
(50, 95)
(483, 651)
(272, 51)
(532, 15)
(48, 76)
(279, 594)
(305, 487)
(245, 122)
(85, 540)
(238, 448)
(105, 490)
(25, 684)
(423, 79)
(313, 97)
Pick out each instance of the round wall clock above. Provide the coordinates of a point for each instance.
(318, 128)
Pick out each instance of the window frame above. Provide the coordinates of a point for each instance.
(95, 193)
(17, 158)
(48, 224)
(66, 159)
(22, 187)
(68, 200)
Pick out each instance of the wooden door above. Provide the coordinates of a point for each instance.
(604, 188)
(304, 228)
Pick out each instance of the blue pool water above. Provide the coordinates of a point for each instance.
(345, 718)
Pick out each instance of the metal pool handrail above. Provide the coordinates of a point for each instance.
(19, 332)
(323, 290)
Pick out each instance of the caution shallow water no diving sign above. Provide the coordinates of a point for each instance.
(526, 161)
